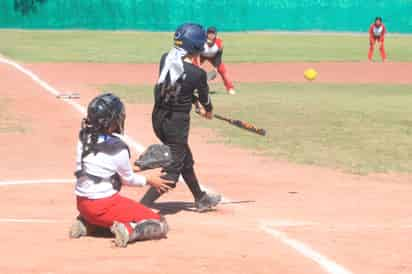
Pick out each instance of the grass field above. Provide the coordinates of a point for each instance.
(357, 128)
(144, 47)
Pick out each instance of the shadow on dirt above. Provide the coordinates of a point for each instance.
(172, 208)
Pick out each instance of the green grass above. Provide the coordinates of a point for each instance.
(146, 47)
(356, 128)
(8, 122)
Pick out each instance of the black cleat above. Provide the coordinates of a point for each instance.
(208, 202)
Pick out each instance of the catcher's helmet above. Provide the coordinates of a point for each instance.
(104, 111)
(190, 37)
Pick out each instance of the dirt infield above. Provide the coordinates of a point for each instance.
(281, 217)
(389, 73)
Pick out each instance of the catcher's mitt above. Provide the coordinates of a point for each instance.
(155, 156)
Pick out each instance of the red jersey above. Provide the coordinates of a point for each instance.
(377, 32)
(210, 51)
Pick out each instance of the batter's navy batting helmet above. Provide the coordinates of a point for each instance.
(190, 37)
(104, 111)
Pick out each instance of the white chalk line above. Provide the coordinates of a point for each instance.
(328, 265)
(38, 181)
(31, 221)
(304, 225)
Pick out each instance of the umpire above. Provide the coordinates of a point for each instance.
(174, 95)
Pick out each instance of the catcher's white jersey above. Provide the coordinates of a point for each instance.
(104, 165)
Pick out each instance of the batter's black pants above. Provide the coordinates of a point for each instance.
(172, 129)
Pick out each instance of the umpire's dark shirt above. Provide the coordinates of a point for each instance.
(194, 79)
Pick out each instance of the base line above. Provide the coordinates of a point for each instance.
(30, 221)
(39, 181)
(328, 265)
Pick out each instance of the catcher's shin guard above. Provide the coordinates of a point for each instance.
(143, 230)
(149, 230)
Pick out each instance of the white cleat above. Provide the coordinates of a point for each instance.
(121, 235)
(78, 229)
(231, 91)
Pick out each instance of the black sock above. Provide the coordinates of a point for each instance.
(191, 181)
(150, 196)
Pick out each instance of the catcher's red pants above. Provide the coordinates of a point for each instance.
(372, 44)
(103, 212)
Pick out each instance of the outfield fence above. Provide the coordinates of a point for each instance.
(228, 15)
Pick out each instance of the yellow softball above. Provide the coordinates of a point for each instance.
(310, 74)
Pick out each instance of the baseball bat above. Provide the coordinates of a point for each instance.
(241, 124)
(238, 123)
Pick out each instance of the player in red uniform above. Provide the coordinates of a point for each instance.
(213, 52)
(377, 33)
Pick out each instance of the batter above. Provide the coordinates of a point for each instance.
(174, 92)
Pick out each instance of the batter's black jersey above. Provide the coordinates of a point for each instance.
(194, 79)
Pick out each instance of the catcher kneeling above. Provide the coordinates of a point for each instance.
(103, 165)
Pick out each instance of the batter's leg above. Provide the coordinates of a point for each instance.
(188, 174)
(173, 172)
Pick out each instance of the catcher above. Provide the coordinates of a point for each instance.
(102, 167)
(377, 32)
(174, 94)
(213, 52)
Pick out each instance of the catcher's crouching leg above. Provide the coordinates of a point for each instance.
(143, 230)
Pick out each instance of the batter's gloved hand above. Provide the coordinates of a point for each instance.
(155, 156)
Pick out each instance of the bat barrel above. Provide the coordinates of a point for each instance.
(242, 124)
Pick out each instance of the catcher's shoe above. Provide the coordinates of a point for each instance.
(121, 234)
(207, 202)
(78, 228)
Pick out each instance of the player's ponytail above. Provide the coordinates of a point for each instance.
(88, 137)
